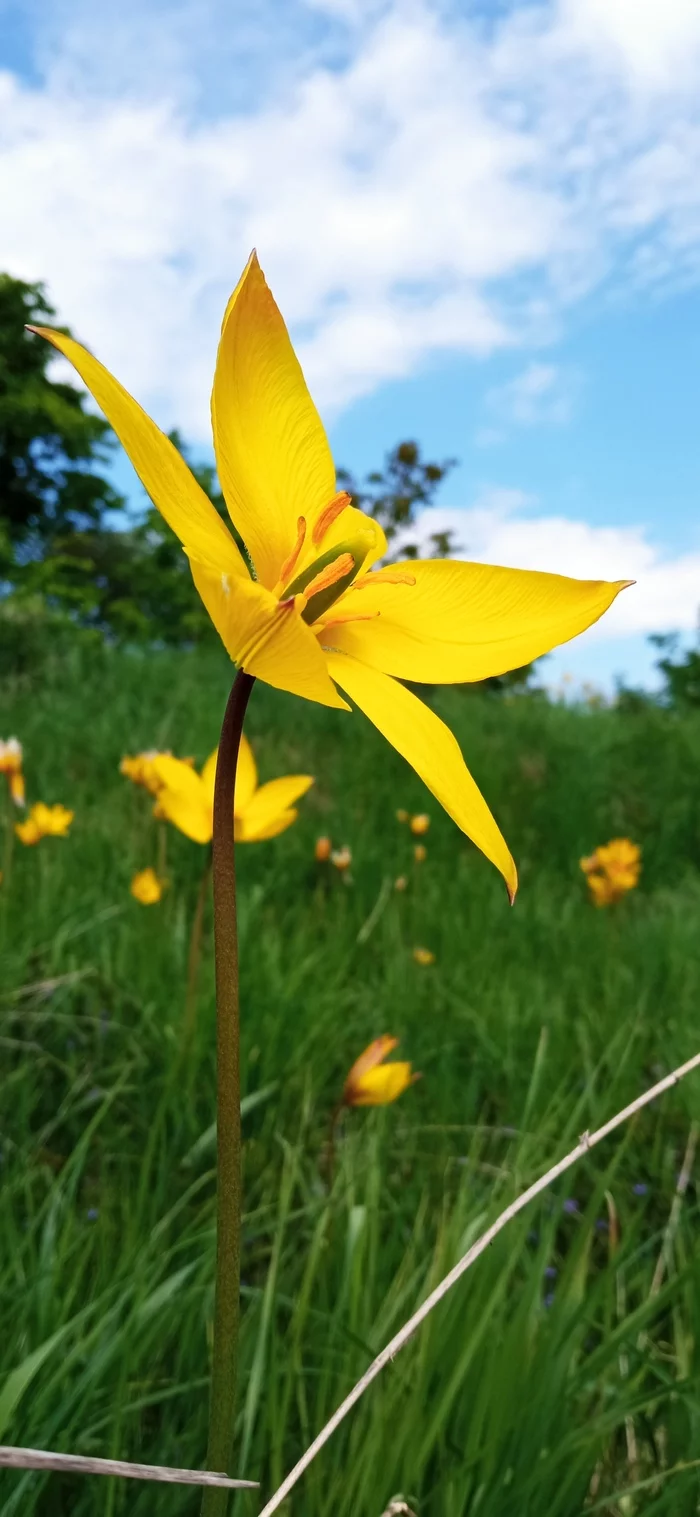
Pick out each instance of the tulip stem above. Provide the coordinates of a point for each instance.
(228, 1103)
(195, 953)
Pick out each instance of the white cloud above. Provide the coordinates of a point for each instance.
(542, 394)
(440, 186)
(502, 528)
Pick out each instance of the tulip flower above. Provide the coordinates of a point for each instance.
(420, 824)
(612, 870)
(319, 617)
(373, 1083)
(423, 956)
(186, 798)
(146, 887)
(44, 822)
(420, 853)
(322, 850)
(341, 858)
(11, 765)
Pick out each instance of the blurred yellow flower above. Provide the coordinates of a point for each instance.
(186, 798)
(420, 853)
(420, 824)
(322, 849)
(341, 858)
(612, 870)
(146, 887)
(401, 815)
(423, 956)
(372, 1083)
(400, 883)
(44, 822)
(11, 765)
(319, 617)
(141, 770)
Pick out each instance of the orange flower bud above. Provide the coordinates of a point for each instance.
(322, 849)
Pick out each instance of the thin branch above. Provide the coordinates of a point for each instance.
(585, 1143)
(75, 1464)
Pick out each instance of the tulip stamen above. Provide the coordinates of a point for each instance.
(340, 566)
(291, 562)
(329, 514)
(349, 616)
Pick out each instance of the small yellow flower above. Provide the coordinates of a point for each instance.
(146, 887)
(612, 870)
(420, 853)
(11, 765)
(372, 1083)
(186, 798)
(322, 849)
(341, 858)
(423, 956)
(420, 824)
(400, 883)
(44, 822)
(401, 815)
(141, 770)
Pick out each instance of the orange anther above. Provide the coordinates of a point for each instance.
(330, 575)
(290, 563)
(329, 515)
(384, 577)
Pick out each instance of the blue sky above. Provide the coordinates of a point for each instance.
(482, 224)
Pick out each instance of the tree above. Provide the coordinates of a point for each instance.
(681, 675)
(49, 444)
(395, 494)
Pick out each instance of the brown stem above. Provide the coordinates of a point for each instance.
(228, 1102)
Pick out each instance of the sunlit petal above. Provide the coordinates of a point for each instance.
(432, 750)
(268, 804)
(162, 471)
(272, 454)
(465, 621)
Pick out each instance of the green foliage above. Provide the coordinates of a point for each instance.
(517, 1398)
(681, 675)
(50, 444)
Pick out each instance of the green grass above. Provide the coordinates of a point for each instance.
(527, 1393)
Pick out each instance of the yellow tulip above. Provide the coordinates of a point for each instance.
(612, 870)
(146, 887)
(43, 822)
(140, 768)
(11, 765)
(420, 853)
(420, 824)
(322, 850)
(423, 956)
(319, 618)
(373, 1083)
(341, 858)
(186, 798)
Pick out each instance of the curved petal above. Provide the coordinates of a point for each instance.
(272, 454)
(372, 1054)
(269, 803)
(272, 830)
(246, 776)
(183, 798)
(161, 469)
(382, 1085)
(264, 637)
(432, 750)
(464, 621)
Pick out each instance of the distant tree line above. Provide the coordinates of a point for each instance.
(74, 554)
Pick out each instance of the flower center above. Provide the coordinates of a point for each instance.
(324, 581)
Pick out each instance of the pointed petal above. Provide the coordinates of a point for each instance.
(269, 803)
(266, 638)
(246, 777)
(272, 454)
(372, 1054)
(161, 469)
(465, 621)
(272, 830)
(429, 746)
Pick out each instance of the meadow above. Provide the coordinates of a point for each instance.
(562, 1376)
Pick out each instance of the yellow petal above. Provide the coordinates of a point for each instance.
(208, 777)
(184, 800)
(431, 749)
(268, 804)
(161, 469)
(265, 638)
(372, 1054)
(381, 1085)
(246, 777)
(272, 454)
(465, 621)
(274, 828)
